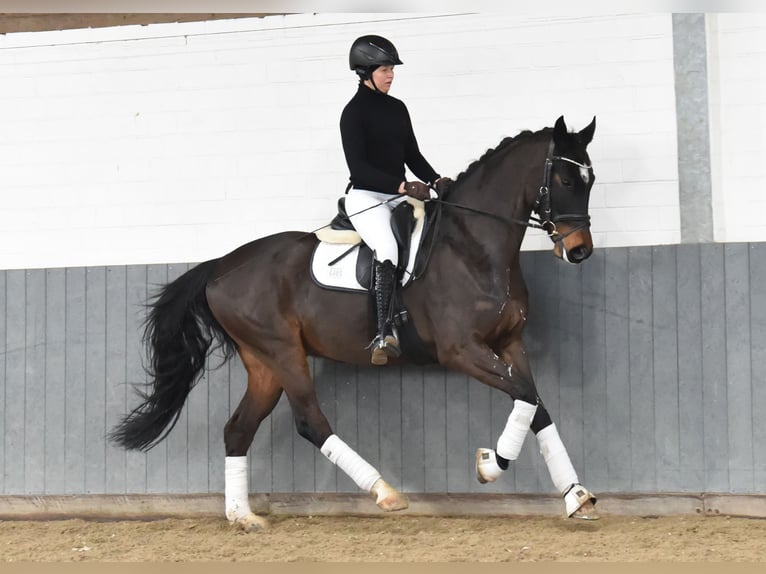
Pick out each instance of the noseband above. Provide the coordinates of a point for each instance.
(547, 221)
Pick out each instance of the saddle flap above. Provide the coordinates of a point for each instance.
(402, 226)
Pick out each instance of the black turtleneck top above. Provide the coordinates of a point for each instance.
(378, 141)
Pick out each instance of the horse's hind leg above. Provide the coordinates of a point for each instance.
(262, 394)
(312, 425)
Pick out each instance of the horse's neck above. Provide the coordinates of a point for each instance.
(504, 190)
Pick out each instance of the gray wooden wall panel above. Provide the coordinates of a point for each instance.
(757, 277)
(691, 399)
(115, 371)
(392, 439)
(641, 387)
(75, 381)
(3, 373)
(413, 432)
(16, 372)
(55, 383)
(458, 450)
(367, 417)
(738, 367)
(136, 289)
(34, 381)
(665, 361)
(617, 370)
(715, 413)
(595, 468)
(15, 383)
(434, 429)
(648, 358)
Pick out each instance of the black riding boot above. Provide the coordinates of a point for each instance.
(386, 343)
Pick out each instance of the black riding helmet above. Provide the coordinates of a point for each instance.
(369, 52)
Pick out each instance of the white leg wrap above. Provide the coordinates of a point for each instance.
(235, 488)
(358, 469)
(510, 442)
(555, 454)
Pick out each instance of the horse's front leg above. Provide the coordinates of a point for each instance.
(509, 372)
(579, 501)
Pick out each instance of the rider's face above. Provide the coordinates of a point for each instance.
(383, 76)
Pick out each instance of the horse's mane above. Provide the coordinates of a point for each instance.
(491, 152)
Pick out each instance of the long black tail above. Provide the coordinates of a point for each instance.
(179, 333)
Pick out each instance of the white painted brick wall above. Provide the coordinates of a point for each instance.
(737, 68)
(179, 142)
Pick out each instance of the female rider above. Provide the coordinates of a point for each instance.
(378, 140)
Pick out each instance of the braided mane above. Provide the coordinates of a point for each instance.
(491, 152)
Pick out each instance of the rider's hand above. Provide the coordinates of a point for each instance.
(417, 189)
(442, 185)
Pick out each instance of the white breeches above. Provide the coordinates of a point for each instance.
(374, 224)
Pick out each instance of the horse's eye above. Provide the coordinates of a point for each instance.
(566, 182)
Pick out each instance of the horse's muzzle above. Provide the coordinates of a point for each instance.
(574, 246)
(578, 254)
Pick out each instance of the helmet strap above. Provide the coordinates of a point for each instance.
(368, 76)
(374, 87)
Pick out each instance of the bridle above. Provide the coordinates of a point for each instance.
(546, 220)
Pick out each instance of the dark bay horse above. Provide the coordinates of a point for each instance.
(469, 309)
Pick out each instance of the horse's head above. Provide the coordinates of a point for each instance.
(563, 201)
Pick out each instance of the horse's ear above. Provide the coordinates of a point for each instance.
(560, 129)
(586, 135)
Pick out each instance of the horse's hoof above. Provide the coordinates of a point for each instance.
(487, 469)
(586, 512)
(580, 503)
(387, 497)
(250, 523)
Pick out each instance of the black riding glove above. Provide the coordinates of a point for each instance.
(418, 190)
